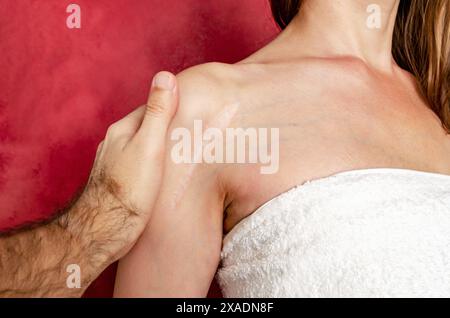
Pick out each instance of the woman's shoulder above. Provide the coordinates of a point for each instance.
(210, 80)
(205, 90)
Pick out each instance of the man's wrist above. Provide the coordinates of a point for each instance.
(101, 225)
(93, 233)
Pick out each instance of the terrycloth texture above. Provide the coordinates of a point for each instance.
(366, 233)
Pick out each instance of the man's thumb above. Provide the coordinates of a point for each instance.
(161, 107)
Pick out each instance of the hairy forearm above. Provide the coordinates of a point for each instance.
(33, 262)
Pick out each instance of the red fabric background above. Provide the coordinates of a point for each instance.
(60, 88)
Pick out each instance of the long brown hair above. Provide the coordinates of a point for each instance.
(421, 45)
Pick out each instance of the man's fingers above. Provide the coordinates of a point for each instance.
(134, 119)
(160, 108)
(128, 125)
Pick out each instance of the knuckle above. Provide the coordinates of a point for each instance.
(156, 107)
(112, 131)
(100, 146)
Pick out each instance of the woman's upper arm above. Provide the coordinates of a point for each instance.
(178, 254)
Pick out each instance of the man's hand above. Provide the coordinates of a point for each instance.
(129, 165)
(108, 218)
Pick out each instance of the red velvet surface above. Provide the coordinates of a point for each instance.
(60, 88)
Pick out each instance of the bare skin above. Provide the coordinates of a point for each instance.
(341, 103)
(103, 224)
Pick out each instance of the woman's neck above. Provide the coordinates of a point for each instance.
(341, 28)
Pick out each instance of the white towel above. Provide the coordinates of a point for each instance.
(366, 233)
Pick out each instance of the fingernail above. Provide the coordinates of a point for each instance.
(164, 80)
